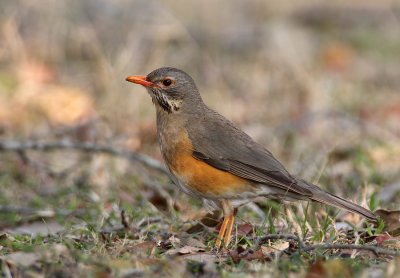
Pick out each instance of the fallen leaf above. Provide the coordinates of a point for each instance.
(279, 245)
(387, 241)
(382, 238)
(189, 250)
(391, 219)
(244, 229)
(185, 250)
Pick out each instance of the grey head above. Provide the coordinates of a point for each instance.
(170, 88)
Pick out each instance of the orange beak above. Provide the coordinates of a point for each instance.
(140, 79)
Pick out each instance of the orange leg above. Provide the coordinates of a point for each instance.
(227, 238)
(228, 233)
(227, 225)
(221, 232)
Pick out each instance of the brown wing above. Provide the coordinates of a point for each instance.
(219, 143)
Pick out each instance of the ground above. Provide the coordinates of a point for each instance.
(83, 190)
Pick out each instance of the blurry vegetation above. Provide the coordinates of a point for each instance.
(318, 84)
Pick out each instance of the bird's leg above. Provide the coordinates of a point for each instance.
(221, 233)
(227, 237)
(226, 227)
(231, 221)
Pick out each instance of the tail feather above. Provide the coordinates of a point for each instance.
(322, 196)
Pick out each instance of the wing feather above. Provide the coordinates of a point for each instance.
(253, 173)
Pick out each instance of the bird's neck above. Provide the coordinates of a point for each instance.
(176, 121)
(169, 120)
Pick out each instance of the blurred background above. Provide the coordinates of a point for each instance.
(316, 82)
(304, 78)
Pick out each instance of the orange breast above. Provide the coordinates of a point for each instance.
(200, 176)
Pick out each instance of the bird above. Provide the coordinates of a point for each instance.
(210, 158)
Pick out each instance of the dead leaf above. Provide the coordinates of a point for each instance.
(276, 246)
(386, 240)
(382, 238)
(185, 250)
(391, 219)
(244, 229)
(189, 250)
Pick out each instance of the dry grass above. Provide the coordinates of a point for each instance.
(318, 84)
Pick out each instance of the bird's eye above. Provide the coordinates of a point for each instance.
(167, 82)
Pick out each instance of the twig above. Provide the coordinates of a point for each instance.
(148, 221)
(304, 248)
(374, 249)
(263, 239)
(19, 147)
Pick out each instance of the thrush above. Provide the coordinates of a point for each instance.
(209, 157)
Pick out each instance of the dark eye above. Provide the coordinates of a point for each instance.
(167, 82)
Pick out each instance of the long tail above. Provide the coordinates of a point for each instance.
(322, 196)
